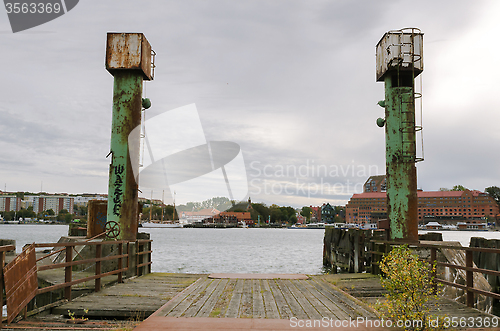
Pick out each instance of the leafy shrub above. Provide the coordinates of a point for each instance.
(409, 283)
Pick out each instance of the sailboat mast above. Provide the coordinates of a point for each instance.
(151, 206)
(162, 204)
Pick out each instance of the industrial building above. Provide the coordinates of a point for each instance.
(446, 206)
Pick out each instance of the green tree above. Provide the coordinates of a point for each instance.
(61, 217)
(260, 209)
(276, 215)
(68, 217)
(306, 212)
(50, 212)
(168, 212)
(458, 188)
(494, 192)
(9, 215)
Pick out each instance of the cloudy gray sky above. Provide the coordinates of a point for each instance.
(292, 82)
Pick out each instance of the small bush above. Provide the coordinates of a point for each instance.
(409, 283)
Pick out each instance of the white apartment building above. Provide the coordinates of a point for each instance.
(54, 202)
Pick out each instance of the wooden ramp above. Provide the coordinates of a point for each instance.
(272, 298)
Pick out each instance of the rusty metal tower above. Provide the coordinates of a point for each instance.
(130, 60)
(399, 61)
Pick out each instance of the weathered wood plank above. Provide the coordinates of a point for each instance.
(246, 299)
(258, 302)
(212, 300)
(332, 306)
(201, 299)
(176, 301)
(311, 312)
(234, 305)
(317, 304)
(294, 305)
(269, 302)
(283, 307)
(335, 305)
(189, 299)
(355, 308)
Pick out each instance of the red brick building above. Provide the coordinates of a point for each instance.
(433, 205)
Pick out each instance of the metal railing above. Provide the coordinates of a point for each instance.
(69, 263)
(123, 255)
(468, 268)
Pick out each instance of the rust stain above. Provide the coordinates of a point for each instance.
(21, 282)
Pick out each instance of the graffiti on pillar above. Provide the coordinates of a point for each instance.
(101, 219)
(118, 193)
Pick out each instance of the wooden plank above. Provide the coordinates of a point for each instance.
(356, 308)
(201, 299)
(258, 302)
(336, 305)
(212, 300)
(189, 299)
(284, 309)
(246, 299)
(234, 304)
(222, 305)
(269, 302)
(330, 305)
(294, 305)
(318, 306)
(177, 300)
(311, 312)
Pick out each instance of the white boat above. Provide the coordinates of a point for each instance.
(161, 225)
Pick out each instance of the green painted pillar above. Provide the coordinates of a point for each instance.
(398, 62)
(130, 59)
(402, 203)
(122, 189)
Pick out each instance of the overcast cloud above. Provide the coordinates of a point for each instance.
(291, 82)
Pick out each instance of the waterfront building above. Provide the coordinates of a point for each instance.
(300, 219)
(315, 214)
(197, 216)
(10, 203)
(228, 217)
(375, 184)
(327, 213)
(55, 202)
(83, 200)
(445, 206)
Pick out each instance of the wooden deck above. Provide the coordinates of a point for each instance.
(136, 299)
(229, 302)
(310, 298)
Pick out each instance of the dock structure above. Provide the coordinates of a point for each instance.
(230, 302)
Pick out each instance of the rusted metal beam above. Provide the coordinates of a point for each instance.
(2, 262)
(78, 281)
(98, 253)
(469, 278)
(68, 272)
